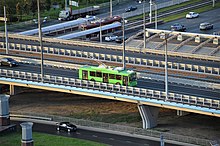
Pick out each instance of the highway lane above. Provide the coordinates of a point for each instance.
(192, 25)
(119, 8)
(101, 137)
(115, 52)
(142, 83)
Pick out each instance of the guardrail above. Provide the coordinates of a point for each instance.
(140, 75)
(117, 89)
(121, 128)
(116, 58)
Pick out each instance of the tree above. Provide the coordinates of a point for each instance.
(19, 11)
(48, 4)
(33, 6)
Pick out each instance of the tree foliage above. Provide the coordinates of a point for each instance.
(17, 8)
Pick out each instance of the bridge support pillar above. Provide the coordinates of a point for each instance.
(149, 115)
(181, 113)
(15, 89)
(12, 90)
(27, 134)
(4, 110)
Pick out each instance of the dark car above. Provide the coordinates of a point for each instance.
(120, 39)
(178, 27)
(8, 62)
(205, 26)
(129, 9)
(66, 126)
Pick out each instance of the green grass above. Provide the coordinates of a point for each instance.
(183, 14)
(173, 8)
(14, 139)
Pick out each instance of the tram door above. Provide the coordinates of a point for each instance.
(85, 75)
(105, 78)
(125, 80)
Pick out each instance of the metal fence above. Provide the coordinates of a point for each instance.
(116, 58)
(136, 93)
(115, 127)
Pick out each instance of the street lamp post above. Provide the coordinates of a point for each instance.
(6, 30)
(110, 8)
(144, 21)
(40, 39)
(155, 6)
(123, 35)
(166, 68)
(150, 11)
(164, 36)
(100, 32)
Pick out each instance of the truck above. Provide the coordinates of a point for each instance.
(69, 14)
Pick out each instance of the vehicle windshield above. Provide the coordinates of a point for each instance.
(133, 77)
(63, 14)
(10, 59)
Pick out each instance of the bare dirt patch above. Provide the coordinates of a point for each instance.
(110, 111)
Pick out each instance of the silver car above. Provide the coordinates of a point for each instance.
(205, 26)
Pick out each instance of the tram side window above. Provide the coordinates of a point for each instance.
(98, 74)
(118, 77)
(111, 76)
(92, 73)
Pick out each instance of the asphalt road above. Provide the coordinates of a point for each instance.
(142, 83)
(101, 137)
(115, 52)
(192, 25)
(119, 9)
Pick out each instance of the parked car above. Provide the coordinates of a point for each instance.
(8, 62)
(191, 15)
(205, 26)
(120, 39)
(178, 27)
(131, 8)
(66, 126)
(110, 38)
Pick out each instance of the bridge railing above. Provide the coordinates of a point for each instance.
(115, 58)
(136, 92)
(116, 47)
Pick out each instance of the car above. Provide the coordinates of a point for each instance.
(205, 26)
(177, 27)
(8, 62)
(139, 1)
(120, 39)
(191, 15)
(131, 8)
(66, 126)
(110, 38)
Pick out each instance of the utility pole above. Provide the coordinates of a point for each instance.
(150, 11)
(100, 33)
(110, 8)
(65, 4)
(155, 5)
(213, 3)
(40, 39)
(144, 21)
(123, 35)
(166, 70)
(6, 30)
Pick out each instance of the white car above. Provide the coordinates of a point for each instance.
(110, 38)
(191, 15)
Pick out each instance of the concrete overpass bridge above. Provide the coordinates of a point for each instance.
(148, 101)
